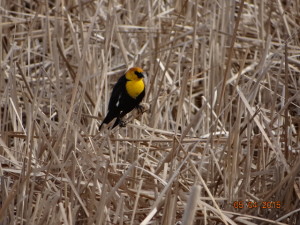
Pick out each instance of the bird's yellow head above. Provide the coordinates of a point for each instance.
(134, 74)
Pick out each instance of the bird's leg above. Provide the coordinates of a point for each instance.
(140, 109)
(122, 123)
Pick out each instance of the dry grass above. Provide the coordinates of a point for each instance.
(219, 145)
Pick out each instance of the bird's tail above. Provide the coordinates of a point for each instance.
(101, 126)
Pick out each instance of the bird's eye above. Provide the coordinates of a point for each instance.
(138, 74)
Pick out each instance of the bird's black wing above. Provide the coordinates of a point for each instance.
(117, 93)
(113, 105)
(140, 97)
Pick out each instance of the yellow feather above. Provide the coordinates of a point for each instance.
(135, 87)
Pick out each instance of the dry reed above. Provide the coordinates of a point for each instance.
(223, 90)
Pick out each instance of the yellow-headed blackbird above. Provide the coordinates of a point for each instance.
(127, 94)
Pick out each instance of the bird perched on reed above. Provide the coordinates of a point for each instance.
(127, 94)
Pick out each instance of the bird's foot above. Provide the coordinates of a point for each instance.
(122, 123)
(140, 109)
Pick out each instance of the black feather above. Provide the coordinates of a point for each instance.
(121, 103)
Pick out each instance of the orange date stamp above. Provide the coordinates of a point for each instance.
(255, 204)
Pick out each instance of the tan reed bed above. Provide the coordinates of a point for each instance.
(218, 145)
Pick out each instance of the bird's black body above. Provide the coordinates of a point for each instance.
(121, 102)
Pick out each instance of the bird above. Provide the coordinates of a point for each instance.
(126, 95)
